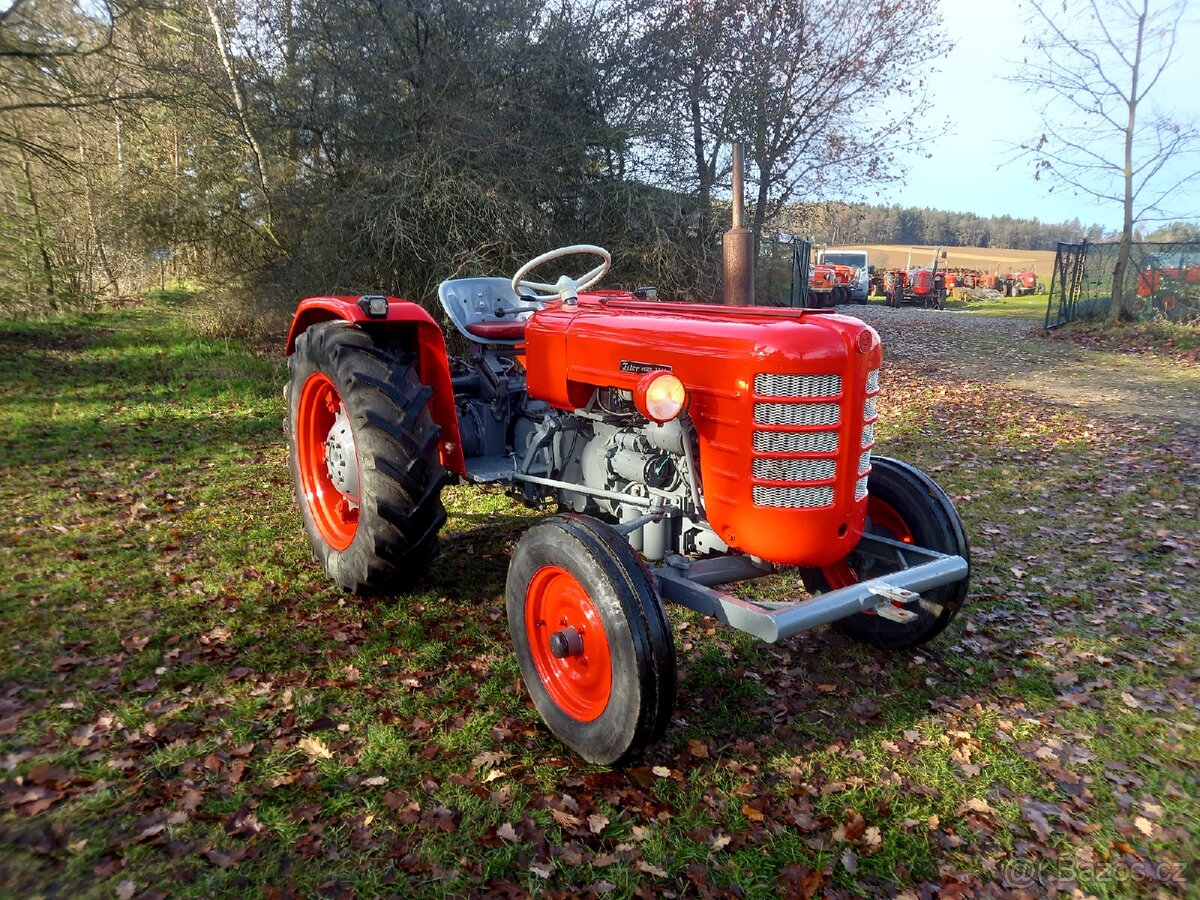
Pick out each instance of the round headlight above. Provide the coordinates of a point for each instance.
(660, 396)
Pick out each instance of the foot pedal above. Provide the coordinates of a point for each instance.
(892, 594)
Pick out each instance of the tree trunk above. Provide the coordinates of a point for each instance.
(90, 207)
(1116, 307)
(39, 231)
(703, 173)
(239, 104)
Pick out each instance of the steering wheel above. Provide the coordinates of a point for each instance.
(565, 286)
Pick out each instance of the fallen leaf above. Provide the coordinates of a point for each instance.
(754, 815)
(651, 869)
(314, 748)
(565, 818)
(850, 861)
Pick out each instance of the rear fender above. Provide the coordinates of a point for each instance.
(421, 334)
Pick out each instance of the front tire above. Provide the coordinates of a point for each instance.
(904, 504)
(363, 450)
(591, 637)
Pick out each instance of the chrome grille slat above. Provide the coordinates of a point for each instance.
(794, 469)
(864, 462)
(796, 413)
(768, 385)
(793, 497)
(868, 435)
(869, 408)
(860, 488)
(795, 442)
(872, 381)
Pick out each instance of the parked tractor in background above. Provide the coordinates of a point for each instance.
(1024, 283)
(685, 446)
(920, 286)
(822, 285)
(1172, 290)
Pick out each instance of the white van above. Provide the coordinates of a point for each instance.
(855, 258)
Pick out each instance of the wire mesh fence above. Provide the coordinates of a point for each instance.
(1161, 281)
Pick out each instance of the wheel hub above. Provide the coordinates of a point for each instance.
(566, 642)
(341, 457)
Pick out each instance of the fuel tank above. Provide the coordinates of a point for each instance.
(783, 403)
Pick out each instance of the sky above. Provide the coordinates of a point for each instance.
(971, 168)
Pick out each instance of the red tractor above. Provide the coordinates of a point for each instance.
(1172, 291)
(685, 446)
(922, 287)
(822, 284)
(844, 279)
(1024, 283)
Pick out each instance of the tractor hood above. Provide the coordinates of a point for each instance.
(779, 399)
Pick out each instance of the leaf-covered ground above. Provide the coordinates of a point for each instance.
(188, 709)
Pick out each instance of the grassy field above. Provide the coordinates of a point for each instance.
(985, 259)
(1031, 306)
(188, 709)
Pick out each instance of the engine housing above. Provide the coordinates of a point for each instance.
(782, 403)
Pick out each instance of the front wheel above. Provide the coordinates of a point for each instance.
(591, 637)
(903, 504)
(363, 450)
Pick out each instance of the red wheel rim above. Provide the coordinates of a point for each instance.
(580, 684)
(886, 522)
(318, 406)
(1169, 301)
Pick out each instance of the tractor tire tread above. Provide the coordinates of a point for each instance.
(397, 442)
(938, 527)
(592, 550)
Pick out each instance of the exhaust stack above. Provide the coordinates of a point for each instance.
(738, 245)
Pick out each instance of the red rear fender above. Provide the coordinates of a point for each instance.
(413, 323)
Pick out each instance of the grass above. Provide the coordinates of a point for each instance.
(171, 654)
(1031, 306)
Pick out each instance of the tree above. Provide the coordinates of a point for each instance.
(801, 82)
(1097, 64)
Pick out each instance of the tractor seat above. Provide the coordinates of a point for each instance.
(498, 331)
(486, 310)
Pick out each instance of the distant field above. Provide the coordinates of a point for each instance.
(988, 259)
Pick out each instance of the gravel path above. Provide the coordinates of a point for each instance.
(953, 344)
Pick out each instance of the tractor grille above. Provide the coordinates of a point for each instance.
(796, 442)
(793, 497)
(798, 385)
(796, 413)
(864, 462)
(794, 469)
(802, 483)
(868, 435)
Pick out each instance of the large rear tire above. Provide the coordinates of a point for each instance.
(591, 637)
(363, 450)
(903, 504)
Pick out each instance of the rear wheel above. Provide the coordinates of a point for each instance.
(591, 637)
(363, 450)
(904, 504)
